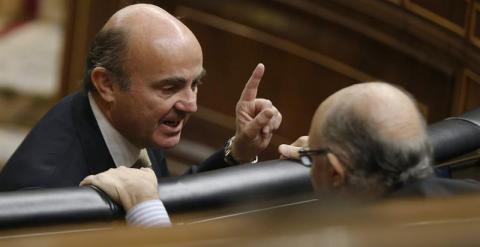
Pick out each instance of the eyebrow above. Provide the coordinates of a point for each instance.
(181, 80)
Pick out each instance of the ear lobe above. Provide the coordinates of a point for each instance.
(338, 170)
(102, 81)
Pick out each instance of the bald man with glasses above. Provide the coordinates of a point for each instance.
(370, 140)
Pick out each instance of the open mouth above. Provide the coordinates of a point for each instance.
(171, 123)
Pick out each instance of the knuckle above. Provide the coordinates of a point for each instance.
(277, 112)
(99, 177)
(265, 102)
(291, 148)
(303, 138)
(279, 119)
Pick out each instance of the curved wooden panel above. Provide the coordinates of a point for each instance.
(308, 56)
(312, 49)
(450, 14)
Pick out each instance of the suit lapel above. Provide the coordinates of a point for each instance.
(159, 165)
(96, 152)
(94, 147)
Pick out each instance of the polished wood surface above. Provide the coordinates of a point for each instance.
(433, 222)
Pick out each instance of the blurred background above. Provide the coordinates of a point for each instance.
(311, 48)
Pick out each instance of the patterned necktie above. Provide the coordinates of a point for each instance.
(143, 160)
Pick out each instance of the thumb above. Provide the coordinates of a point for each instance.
(259, 122)
(288, 151)
(87, 181)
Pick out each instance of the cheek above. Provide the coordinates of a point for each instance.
(139, 118)
(155, 110)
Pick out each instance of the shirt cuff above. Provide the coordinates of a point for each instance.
(148, 213)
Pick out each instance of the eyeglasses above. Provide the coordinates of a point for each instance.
(306, 155)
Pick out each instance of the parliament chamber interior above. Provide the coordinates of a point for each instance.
(310, 49)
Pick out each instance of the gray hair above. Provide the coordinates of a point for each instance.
(108, 50)
(372, 161)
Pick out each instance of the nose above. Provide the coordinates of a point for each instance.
(188, 101)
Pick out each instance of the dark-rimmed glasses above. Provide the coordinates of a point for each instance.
(306, 155)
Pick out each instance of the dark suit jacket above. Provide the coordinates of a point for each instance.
(436, 187)
(66, 145)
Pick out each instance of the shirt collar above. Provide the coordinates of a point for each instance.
(122, 151)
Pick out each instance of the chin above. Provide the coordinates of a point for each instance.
(166, 142)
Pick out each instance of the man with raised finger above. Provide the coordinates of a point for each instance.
(140, 87)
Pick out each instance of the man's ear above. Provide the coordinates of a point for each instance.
(102, 80)
(338, 170)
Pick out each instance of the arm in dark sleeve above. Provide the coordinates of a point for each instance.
(215, 161)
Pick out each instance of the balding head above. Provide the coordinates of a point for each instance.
(130, 35)
(145, 21)
(144, 68)
(388, 109)
(376, 132)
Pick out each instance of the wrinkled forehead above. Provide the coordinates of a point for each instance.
(164, 52)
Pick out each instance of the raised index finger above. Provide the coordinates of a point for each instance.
(250, 91)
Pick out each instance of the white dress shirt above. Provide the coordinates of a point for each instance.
(124, 153)
(148, 213)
